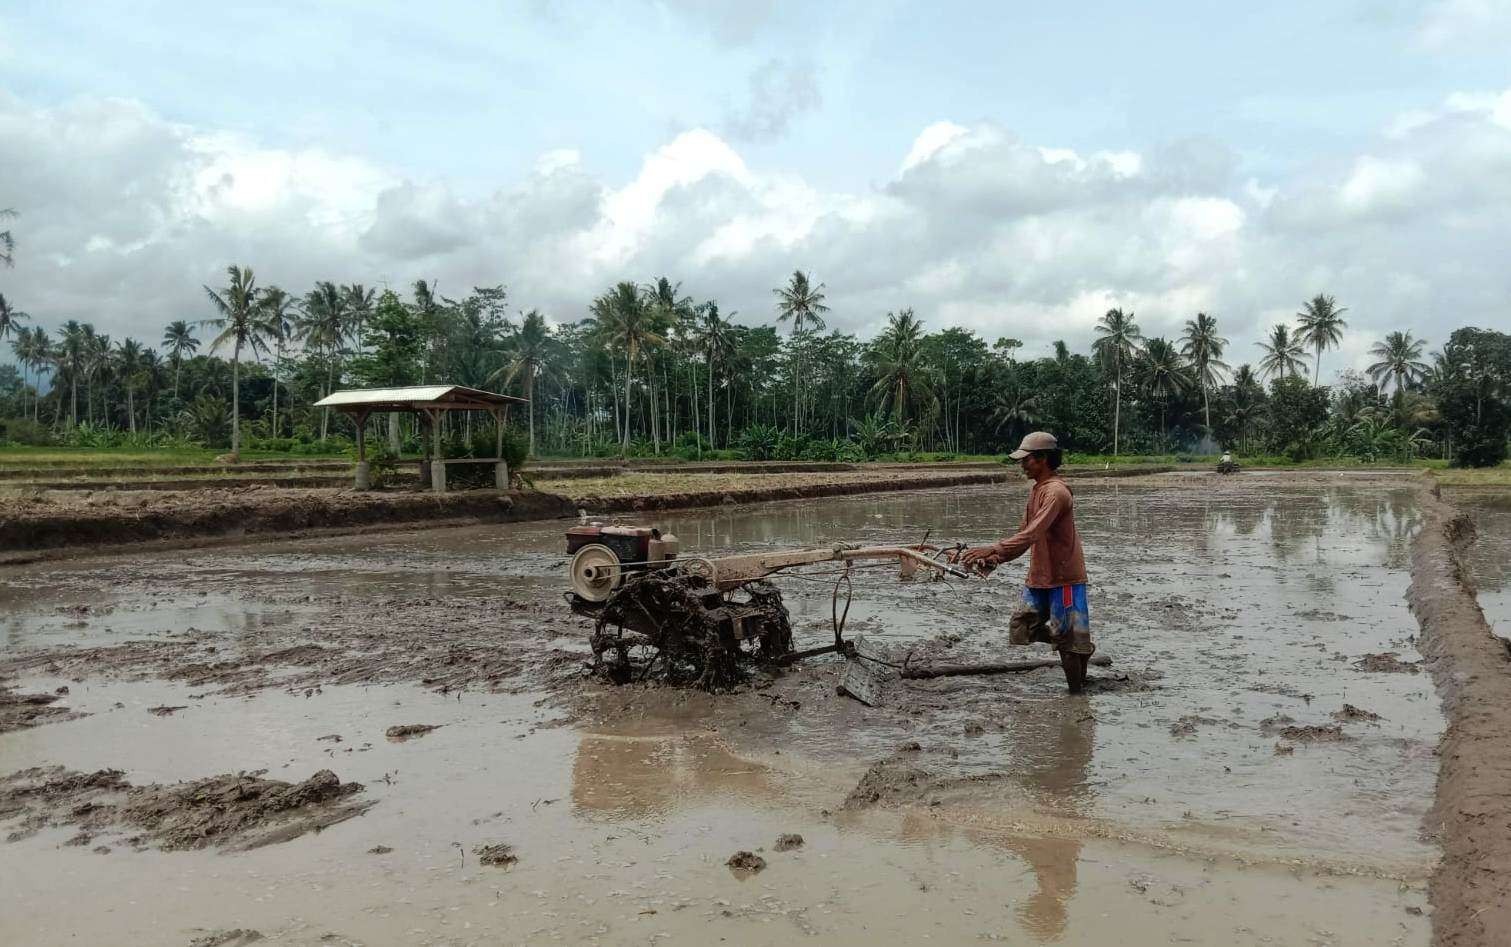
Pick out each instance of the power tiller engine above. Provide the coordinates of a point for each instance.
(693, 619)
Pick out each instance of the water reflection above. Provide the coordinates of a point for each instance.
(629, 775)
(1052, 758)
(1041, 775)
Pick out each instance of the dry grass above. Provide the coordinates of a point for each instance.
(1486, 477)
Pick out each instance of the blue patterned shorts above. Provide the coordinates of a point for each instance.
(1064, 609)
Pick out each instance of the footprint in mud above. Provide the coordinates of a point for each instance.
(237, 937)
(1350, 713)
(499, 855)
(1386, 663)
(409, 731)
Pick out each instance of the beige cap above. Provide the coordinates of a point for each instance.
(1038, 440)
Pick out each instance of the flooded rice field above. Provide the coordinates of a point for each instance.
(1254, 768)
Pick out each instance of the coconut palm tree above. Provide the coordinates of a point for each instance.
(179, 340)
(323, 326)
(44, 355)
(715, 337)
(1117, 342)
(624, 321)
(1321, 327)
(70, 356)
(96, 363)
(1015, 407)
(1400, 358)
(128, 363)
(359, 306)
(1161, 375)
(904, 379)
(152, 381)
(1203, 347)
(529, 356)
(7, 242)
(10, 318)
(1282, 354)
(25, 348)
(1247, 403)
(671, 313)
(243, 325)
(279, 309)
(803, 303)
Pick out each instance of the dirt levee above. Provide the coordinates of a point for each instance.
(231, 812)
(1471, 889)
(44, 521)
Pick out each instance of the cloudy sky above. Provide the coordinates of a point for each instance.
(1010, 167)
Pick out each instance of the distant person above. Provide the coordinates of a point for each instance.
(1054, 591)
(1227, 458)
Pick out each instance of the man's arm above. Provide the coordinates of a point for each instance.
(986, 558)
(1056, 502)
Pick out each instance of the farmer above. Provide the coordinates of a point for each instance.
(1054, 591)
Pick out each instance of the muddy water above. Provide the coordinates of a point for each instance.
(1490, 554)
(1156, 809)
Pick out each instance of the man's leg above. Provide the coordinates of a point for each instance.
(1074, 666)
(1070, 619)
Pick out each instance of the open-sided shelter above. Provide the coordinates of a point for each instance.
(430, 403)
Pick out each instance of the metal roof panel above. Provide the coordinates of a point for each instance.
(414, 395)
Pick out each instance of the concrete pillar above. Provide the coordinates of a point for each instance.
(501, 475)
(364, 475)
(437, 465)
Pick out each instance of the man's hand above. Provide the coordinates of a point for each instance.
(981, 560)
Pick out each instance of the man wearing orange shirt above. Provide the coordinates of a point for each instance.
(1054, 591)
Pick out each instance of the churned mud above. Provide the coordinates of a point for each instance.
(1471, 889)
(29, 710)
(1235, 612)
(232, 812)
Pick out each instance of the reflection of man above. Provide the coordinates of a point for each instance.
(1054, 592)
(1051, 759)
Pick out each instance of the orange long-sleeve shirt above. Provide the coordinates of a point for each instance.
(1048, 534)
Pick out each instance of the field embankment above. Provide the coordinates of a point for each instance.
(1471, 889)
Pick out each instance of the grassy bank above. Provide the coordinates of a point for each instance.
(20, 455)
(1486, 477)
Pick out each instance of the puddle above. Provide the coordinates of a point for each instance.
(1158, 804)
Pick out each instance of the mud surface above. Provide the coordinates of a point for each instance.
(233, 812)
(958, 809)
(1471, 890)
(28, 710)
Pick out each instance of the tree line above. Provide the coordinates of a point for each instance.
(653, 370)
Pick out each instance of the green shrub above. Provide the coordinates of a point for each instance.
(759, 441)
(382, 462)
(790, 447)
(516, 452)
(691, 445)
(24, 431)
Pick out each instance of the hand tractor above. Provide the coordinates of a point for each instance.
(697, 617)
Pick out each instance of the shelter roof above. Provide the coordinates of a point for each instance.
(416, 397)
